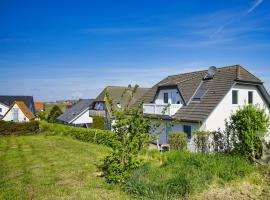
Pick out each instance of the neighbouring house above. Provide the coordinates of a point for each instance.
(18, 112)
(39, 106)
(78, 114)
(7, 101)
(202, 100)
(120, 96)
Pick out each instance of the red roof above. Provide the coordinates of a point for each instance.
(39, 106)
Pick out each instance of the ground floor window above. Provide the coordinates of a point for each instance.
(187, 130)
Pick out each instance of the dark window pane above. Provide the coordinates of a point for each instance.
(235, 97)
(187, 130)
(166, 97)
(250, 97)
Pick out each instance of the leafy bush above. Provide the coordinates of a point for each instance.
(182, 174)
(18, 128)
(98, 122)
(84, 134)
(202, 141)
(132, 130)
(250, 124)
(178, 141)
(54, 113)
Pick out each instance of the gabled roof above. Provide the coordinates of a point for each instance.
(116, 92)
(9, 100)
(23, 108)
(189, 83)
(73, 112)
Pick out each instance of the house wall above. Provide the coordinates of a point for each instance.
(225, 108)
(21, 116)
(84, 118)
(172, 93)
(176, 127)
(3, 109)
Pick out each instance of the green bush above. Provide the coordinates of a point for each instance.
(84, 134)
(250, 125)
(54, 113)
(178, 141)
(98, 122)
(18, 128)
(202, 141)
(182, 174)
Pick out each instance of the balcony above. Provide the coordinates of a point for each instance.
(97, 113)
(161, 109)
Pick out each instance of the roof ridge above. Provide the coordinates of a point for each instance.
(230, 66)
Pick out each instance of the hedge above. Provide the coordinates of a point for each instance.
(84, 134)
(18, 128)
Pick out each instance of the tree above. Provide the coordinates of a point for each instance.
(54, 113)
(131, 137)
(250, 125)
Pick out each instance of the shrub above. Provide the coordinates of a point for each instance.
(98, 122)
(202, 141)
(131, 137)
(182, 174)
(178, 141)
(18, 128)
(54, 113)
(250, 124)
(84, 134)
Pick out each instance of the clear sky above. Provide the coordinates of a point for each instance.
(73, 49)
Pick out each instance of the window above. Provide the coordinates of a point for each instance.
(187, 130)
(234, 97)
(250, 97)
(99, 106)
(15, 113)
(166, 97)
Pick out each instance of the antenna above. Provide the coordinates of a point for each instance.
(211, 73)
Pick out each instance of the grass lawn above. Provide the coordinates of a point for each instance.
(40, 167)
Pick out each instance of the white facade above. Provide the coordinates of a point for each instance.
(15, 114)
(3, 109)
(160, 106)
(225, 108)
(83, 118)
(216, 120)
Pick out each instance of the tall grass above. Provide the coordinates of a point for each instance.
(181, 174)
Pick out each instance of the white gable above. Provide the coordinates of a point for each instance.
(15, 114)
(225, 108)
(83, 118)
(173, 96)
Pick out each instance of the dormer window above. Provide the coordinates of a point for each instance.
(166, 97)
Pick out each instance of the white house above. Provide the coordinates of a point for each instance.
(6, 101)
(3, 109)
(203, 100)
(78, 114)
(18, 112)
(81, 114)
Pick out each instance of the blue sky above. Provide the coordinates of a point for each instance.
(73, 49)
